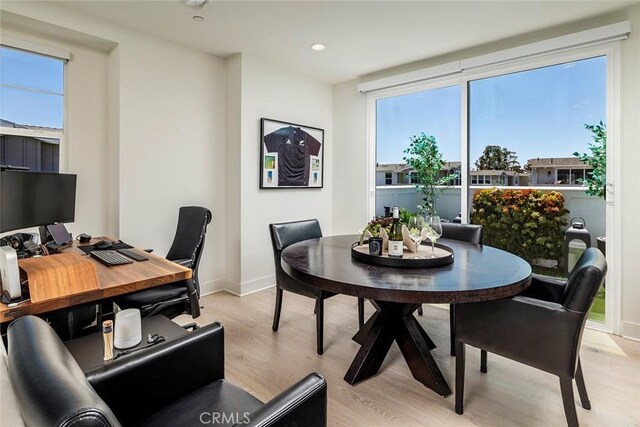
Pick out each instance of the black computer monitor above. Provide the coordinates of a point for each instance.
(30, 199)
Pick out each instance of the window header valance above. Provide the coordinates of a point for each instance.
(35, 48)
(594, 36)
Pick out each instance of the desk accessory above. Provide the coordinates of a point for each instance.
(132, 254)
(110, 258)
(107, 337)
(84, 238)
(128, 330)
(10, 274)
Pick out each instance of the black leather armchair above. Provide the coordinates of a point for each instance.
(542, 327)
(181, 297)
(180, 382)
(283, 235)
(469, 233)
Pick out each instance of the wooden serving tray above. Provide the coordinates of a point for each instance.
(51, 276)
(444, 256)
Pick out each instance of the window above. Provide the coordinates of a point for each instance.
(516, 127)
(388, 178)
(31, 109)
(435, 112)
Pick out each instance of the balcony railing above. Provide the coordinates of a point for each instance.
(592, 209)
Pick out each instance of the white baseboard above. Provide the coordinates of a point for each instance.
(257, 285)
(213, 286)
(631, 330)
(249, 287)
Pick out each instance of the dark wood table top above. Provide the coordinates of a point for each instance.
(478, 273)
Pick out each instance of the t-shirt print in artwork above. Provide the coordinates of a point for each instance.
(294, 147)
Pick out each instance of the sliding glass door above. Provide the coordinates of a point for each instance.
(512, 133)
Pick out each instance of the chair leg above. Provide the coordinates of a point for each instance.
(420, 311)
(452, 328)
(566, 388)
(276, 315)
(460, 362)
(360, 312)
(319, 324)
(483, 361)
(582, 389)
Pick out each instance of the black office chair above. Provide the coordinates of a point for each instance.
(541, 327)
(469, 233)
(283, 235)
(181, 297)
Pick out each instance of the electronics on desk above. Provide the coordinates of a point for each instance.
(10, 275)
(59, 234)
(25, 244)
(32, 199)
(110, 258)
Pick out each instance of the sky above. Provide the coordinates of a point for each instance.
(536, 113)
(32, 89)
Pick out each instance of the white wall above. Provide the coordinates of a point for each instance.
(160, 117)
(350, 108)
(349, 160)
(171, 145)
(628, 185)
(272, 92)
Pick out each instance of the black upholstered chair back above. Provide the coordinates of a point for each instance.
(585, 280)
(189, 239)
(469, 233)
(285, 234)
(50, 387)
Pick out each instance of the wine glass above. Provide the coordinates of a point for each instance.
(434, 231)
(416, 224)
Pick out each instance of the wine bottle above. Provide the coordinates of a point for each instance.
(395, 236)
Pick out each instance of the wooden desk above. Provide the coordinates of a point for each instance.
(113, 281)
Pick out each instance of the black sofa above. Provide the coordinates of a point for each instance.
(180, 382)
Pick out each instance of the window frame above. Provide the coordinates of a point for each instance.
(62, 56)
(612, 52)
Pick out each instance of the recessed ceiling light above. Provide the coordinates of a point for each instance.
(198, 18)
(196, 4)
(318, 47)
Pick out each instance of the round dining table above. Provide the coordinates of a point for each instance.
(478, 273)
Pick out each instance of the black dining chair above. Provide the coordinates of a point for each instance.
(177, 298)
(285, 234)
(541, 327)
(469, 233)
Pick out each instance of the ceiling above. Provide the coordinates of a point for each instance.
(361, 36)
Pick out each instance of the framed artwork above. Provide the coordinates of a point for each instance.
(291, 155)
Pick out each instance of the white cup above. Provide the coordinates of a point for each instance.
(128, 330)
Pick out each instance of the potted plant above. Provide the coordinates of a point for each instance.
(426, 160)
(596, 180)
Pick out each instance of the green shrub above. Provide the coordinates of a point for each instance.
(528, 223)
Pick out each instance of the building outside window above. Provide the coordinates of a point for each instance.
(388, 178)
(31, 109)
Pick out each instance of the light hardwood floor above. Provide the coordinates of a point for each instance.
(265, 362)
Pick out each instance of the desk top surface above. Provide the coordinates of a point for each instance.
(478, 273)
(113, 281)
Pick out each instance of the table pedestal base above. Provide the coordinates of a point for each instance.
(395, 321)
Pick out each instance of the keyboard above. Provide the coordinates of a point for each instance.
(110, 258)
